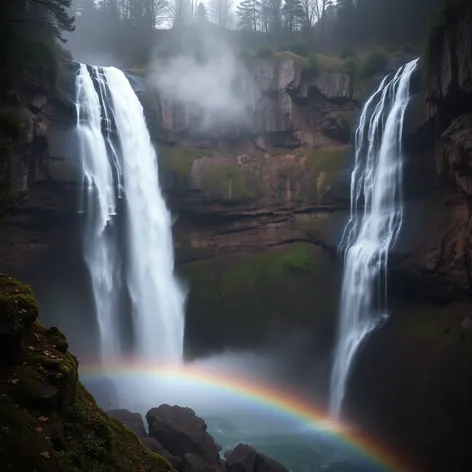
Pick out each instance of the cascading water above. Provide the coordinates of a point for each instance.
(131, 258)
(375, 221)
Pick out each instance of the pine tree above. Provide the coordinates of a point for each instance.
(249, 14)
(202, 13)
(52, 15)
(294, 15)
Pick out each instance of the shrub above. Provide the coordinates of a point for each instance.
(312, 64)
(298, 47)
(348, 51)
(264, 51)
(375, 62)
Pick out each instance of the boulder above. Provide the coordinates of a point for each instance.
(181, 432)
(154, 446)
(244, 458)
(133, 421)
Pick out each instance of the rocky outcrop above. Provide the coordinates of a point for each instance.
(188, 445)
(181, 432)
(48, 421)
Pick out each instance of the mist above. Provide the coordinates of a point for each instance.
(205, 76)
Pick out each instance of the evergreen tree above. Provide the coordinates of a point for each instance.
(52, 15)
(202, 13)
(249, 14)
(294, 15)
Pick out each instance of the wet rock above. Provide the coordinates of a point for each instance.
(244, 458)
(133, 421)
(180, 431)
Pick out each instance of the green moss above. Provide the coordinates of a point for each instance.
(227, 182)
(178, 159)
(48, 421)
(323, 165)
(260, 288)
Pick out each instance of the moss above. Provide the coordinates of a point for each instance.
(48, 421)
(260, 288)
(178, 159)
(247, 277)
(323, 165)
(227, 182)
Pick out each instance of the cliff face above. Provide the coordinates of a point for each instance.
(439, 243)
(37, 176)
(277, 101)
(421, 396)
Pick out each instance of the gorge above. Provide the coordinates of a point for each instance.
(242, 202)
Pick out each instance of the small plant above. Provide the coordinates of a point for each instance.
(375, 62)
(264, 51)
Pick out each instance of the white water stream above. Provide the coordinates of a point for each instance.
(135, 258)
(374, 224)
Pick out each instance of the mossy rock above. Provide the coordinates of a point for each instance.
(18, 311)
(48, 421)
(234, 299)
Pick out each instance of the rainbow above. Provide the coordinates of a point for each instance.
(282, 401)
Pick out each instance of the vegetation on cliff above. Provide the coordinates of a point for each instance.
(48, 421)
(240, 296)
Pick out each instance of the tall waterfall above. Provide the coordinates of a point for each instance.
(128, 240)
(375, 221)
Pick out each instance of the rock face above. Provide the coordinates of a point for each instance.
(447, 249)
(418, 400)
(277, 101)
(181, 432)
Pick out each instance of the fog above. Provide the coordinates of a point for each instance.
(205, 75)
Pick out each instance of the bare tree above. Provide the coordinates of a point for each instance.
(221, 12)
(180, 12)
(319, 8)
(155, 11)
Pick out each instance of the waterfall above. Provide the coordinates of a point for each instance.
(375, 220)
(127, 236)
